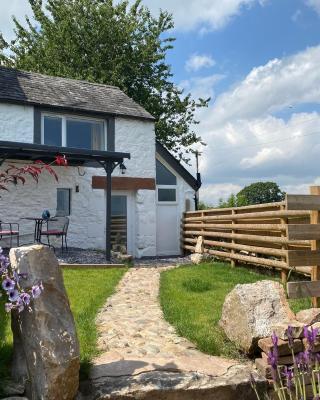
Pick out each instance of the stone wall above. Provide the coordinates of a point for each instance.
(16, 123)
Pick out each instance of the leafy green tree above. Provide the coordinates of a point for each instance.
(112, 43)
(203, 206)
(258, 193)
(229, 203)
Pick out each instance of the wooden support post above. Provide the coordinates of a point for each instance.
(233, 261)
(284, 272)
(315, 244)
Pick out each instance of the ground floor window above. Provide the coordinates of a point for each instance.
(63, 202)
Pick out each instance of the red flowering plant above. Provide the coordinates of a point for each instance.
(16, 297)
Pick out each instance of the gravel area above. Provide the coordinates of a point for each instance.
(83, 256)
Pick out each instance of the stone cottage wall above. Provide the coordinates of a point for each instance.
(138, 137)
(16, 123)
(87, 220)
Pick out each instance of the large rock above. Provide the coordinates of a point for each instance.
(197, 258)
(250, 311)
(46, 349)
(199, 248)
(309, 316)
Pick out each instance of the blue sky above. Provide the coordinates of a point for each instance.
(259, 60)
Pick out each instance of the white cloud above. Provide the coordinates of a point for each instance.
(202, 86)
(272, 87)
(296, 15)
(264, 155)
(204, 14)
(255, 131)
(198, 61)
(315, 4)
(211, 193)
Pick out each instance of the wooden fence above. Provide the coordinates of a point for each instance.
(284, 235)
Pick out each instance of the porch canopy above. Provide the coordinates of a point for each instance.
(75, 157)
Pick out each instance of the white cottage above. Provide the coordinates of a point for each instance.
(150, 191)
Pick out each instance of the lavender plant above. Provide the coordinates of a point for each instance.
(15, 296)
(291, 382)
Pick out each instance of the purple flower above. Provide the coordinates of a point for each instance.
(20, 304)
(25, 298)
(273, 361)
(8, 284)
(288, 373)
(290, 336)
(310, 335)
(8, 307)
(13, 295)
(36, 291)
(274, 339)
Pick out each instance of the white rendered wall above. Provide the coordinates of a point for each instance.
(16, 123)
(184, 193)
(87, 220)
(138, 138)
(87, 227)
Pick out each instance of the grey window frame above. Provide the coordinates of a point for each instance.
(175, 187)
(64, 117)
(69, 205)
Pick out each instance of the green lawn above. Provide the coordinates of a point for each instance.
(192, 298)
(88, 290)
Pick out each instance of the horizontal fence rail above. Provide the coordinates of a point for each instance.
(283, 235)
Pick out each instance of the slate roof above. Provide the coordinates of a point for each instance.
(70, 94)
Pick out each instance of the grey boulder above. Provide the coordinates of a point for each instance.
(251, 310)
(46, 348)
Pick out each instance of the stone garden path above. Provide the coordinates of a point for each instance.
(143, 357)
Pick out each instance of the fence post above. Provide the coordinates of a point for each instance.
(182, 249)
(315, 244)
(233, 261)
(284, 272)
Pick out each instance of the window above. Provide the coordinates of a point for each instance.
(75, 132)
(52, 131)
(63, 202)
(166, 184)
(164, 176)
(166, 194)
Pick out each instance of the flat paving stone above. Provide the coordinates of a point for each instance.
(144, 358)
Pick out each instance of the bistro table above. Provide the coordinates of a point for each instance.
(38, 221)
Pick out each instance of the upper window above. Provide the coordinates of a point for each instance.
(166, 184)
(73, 132)
(164, 176)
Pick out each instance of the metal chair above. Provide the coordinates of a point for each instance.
(57, 226)
(9, 229)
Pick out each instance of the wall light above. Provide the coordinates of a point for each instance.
(123, 168)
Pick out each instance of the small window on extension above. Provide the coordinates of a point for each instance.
(63, 202)
(164, 176)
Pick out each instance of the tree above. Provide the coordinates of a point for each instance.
(203, 206)
(229, 203)
(260, 192)
(110, 43)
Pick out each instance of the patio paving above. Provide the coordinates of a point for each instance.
(144, 358)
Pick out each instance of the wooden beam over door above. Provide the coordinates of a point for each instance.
(124, 183)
